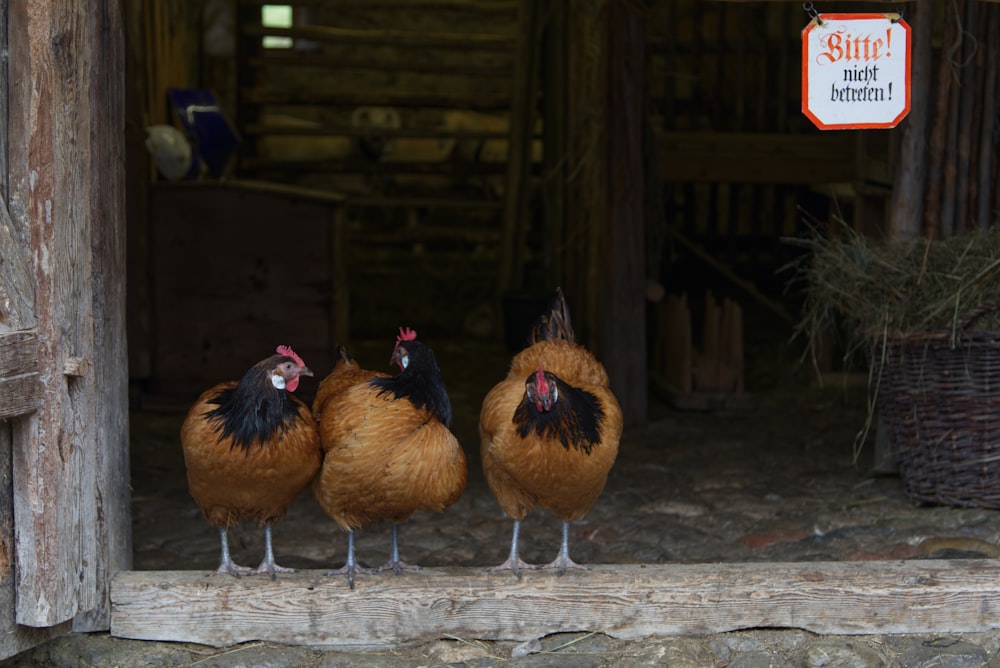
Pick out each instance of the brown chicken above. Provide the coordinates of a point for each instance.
(549, 431)
(250, 447)
(388, 449)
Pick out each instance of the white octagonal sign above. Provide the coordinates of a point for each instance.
(856, 71)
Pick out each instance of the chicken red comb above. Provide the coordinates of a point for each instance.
(405, 335)
(288, 352)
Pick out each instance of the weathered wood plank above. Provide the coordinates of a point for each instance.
(744, 157)
(63, 75)
(13, 637)
(107, 493)
(18, 354)
(17, 288)
(625, 601)
(46, 456)
(19, 395)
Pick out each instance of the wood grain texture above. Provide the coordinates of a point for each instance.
(626, 601)
(66, 133)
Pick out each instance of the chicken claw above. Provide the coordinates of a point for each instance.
(395, 564)
(514, 563)
(226, 565)
(351, 567)
(563, 562)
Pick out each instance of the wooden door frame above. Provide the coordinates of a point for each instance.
(62, 347)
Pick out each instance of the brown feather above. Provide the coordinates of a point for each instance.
(234, 484)
(384, 458)
(528, 472)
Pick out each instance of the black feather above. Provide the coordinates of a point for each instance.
(255, 411)
(575, 420)
(420, 382)
(555, 323)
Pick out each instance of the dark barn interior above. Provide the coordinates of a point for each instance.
(378, 134)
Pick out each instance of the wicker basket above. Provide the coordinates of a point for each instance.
(939, 398)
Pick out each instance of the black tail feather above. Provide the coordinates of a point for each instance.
(555, 323)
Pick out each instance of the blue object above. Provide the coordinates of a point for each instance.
(215, 138)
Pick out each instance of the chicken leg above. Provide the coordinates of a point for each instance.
(563, 562)
(394, 563)
(514, 563)
(351, 566)
(226, 564)
(267, 565)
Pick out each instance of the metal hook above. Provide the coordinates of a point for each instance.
(899, 15)
(812, 12)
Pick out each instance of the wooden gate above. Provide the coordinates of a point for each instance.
(64, 501)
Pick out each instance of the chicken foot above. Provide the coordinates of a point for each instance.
(394, 562)
(226, 564)
(351, 566)
(514, 563)
(563, 562)
(267, 565)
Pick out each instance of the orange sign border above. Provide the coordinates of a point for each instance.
(805, 74)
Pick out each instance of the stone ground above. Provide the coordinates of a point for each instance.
(775, 482)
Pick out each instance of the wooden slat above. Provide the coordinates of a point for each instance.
(402, 38)
(497, 67)
(19, 395)
(480, 6)
(324, 131)
(361, 166)
(105, 494)
(740, 157)
(624, 601)
(402, 99)
(17, 290)
(14, 638)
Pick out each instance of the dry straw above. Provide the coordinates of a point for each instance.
(870, 290)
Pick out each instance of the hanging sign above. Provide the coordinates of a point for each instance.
(856, 71)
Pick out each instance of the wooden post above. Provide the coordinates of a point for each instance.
(677, 349)
(70, 458)
(554, 114)
(906, 208)
(988, 156)
(522, 115)
(622, 305)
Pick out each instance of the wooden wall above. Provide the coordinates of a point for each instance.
(738, 158)
(237, 271)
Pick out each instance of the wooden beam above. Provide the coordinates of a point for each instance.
(17, 287)
(499, 65)
(360, 98)
(623, 601)
(745, 157)
(480, 6)
(20, 388)
(622, 333)
(400, 38)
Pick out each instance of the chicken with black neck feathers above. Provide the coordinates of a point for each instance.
(250, 447)
(549, 431)
(388, 448)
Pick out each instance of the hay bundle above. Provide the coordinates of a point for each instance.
(873, 290)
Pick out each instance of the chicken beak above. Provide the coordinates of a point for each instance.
(400, 358)
(305, 371)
